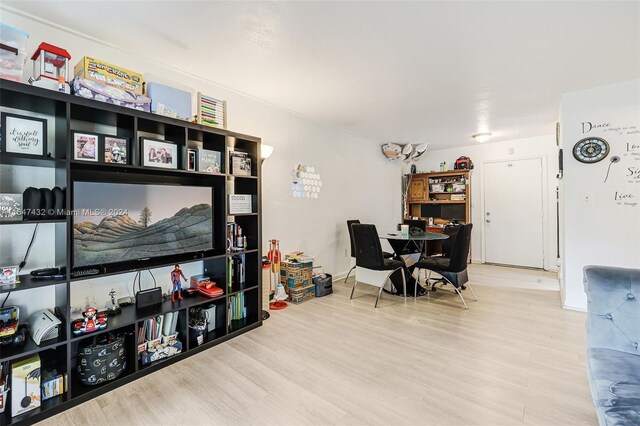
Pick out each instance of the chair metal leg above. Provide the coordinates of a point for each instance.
(378, 298)
(349, 273)
(472, 292)
(404, 284)
(353, 289)
(415, 290)
(461, 298)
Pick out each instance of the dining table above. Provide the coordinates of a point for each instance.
(409, 248)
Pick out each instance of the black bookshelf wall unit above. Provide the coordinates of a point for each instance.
(238, 309)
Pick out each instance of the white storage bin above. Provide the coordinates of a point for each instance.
(13, 52)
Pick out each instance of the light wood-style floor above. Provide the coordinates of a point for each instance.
(515, 357)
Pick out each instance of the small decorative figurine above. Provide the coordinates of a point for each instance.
(51, 68)
(92, 321)
(176, 274)
(113, 308)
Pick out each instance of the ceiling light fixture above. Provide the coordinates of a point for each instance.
(482, 137)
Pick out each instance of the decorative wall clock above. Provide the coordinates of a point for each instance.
(591, 150)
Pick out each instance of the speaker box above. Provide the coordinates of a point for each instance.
(31, 202)
(46, 203)
(58, 200)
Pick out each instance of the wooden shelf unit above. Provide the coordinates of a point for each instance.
(65, 114)
(430, 194)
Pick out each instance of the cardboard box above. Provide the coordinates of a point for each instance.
(112, 95)
(25, 385)
(169, 101)
(53, 387)
(295, 274)
(302, 294)
(111, 75)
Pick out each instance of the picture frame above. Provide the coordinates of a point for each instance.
(22, 134)
(159, 153)
(191, 160)
(86, 146)
(115, 149)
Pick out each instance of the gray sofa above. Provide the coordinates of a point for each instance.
(613, 342)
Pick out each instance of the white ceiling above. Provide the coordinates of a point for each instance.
(433, 72)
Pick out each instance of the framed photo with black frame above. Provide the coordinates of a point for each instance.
(115, 149)
(23, 134)
(86, 146)
(158, 153)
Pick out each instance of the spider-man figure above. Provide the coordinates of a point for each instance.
(175, 280)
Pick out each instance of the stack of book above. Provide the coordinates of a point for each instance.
(237, 309)
(211, 111)
(236, 272)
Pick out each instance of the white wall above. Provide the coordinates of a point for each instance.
(357, 181)
(543, 147)
(603, 230)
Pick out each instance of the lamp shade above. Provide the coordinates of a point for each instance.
(265, 151)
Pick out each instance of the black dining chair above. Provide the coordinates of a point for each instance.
(353, 248)
(371, 266)
(452, 265)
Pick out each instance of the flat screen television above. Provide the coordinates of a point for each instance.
(124, 223)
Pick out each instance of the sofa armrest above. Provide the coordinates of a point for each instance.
(613, 304)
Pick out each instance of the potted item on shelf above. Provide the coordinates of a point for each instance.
(169, 101)
(13, 52)
(51, 68)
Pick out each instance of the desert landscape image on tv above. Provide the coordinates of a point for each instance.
(123, 222)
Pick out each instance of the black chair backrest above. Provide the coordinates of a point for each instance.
(353, 245)
(460, 249)
(421, 224)
(368, 248)
(447, 245)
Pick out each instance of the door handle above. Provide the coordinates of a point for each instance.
(488, 220)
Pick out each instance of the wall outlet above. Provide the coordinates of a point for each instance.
(511, 150)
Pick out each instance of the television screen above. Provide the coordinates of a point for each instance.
(119, 222)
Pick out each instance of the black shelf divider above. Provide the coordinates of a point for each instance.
(67, 113)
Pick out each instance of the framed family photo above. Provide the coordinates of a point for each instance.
(156, 153)
(85, 146)
(23, 135)
(116, 150)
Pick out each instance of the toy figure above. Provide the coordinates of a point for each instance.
(176, 274)
(113, 308)
(92, 321)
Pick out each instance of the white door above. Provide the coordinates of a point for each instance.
(513, 213)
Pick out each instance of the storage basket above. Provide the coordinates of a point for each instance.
(102, 362)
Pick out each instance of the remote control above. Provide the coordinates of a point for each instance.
(85, 272)
(45, 271)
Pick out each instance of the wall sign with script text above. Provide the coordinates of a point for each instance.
(24, 135)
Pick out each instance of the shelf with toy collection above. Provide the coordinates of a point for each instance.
(69, 115)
